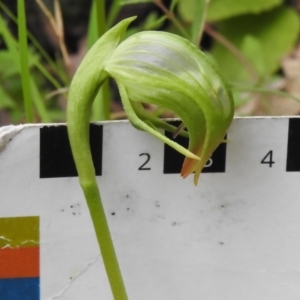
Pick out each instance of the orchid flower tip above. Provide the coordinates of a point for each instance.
(196, 178)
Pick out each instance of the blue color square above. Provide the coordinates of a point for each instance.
(20, 288)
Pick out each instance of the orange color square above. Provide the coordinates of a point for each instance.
(19, 262)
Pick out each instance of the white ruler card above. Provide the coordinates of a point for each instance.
(235, 236)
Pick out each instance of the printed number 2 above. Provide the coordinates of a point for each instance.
(142, 167)
(268, 159)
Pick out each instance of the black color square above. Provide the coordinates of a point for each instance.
(56, 159)
(173, 160)
(293, 148)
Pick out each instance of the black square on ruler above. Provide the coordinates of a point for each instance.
(56, 159)
(293, 147)
(173, 160)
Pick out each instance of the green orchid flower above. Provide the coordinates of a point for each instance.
(163, 69)
(149, 67)
(167, 70)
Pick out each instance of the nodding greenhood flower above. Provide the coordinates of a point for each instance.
(159, 68)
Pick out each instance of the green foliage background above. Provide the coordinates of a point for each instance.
(262, 33)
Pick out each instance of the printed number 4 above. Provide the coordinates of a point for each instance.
(268, 159)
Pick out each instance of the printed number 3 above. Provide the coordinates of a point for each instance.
(209, 163)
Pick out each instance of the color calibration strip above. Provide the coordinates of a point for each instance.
(19, 258)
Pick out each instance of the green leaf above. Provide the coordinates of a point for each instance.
(253, 50)
(223, 9)
(273, 33)
(186, 9)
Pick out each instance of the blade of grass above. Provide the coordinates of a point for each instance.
(101, 19)
(31, 85)
(48, 75)
(38, 100)
(12, 46)
(61, 70)
(62, 91)
(100, 109)
(199, 21)
(9, 41)
(112, 14)
(34, 41)
(56, 22)
(24, 64)
(92, 34)
(101, 105)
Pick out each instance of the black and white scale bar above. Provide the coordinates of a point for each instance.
(56, 159)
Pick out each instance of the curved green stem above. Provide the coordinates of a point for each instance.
(86, 82)
(78, 130)
(97, 212)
